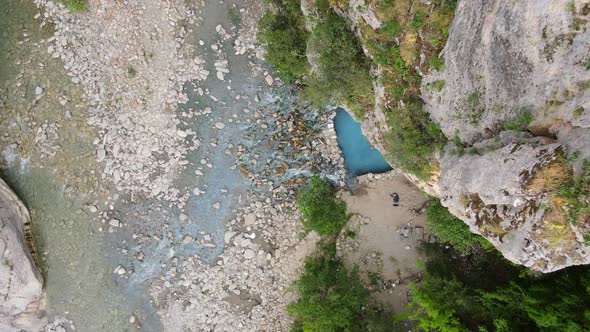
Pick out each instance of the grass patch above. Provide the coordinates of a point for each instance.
(75, 6)
(131, 72)
(436, 85)
(520, 123)
(413, 139)
(579, 111)
(322, 211)
(474, 109)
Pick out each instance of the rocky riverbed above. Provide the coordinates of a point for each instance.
(159, 158)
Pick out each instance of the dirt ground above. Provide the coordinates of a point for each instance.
(385, 236)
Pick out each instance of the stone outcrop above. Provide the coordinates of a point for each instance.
(22, 300)
(507, 60)
(504, 59)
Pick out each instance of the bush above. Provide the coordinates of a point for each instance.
(330, 297)
(450, 229)
(322, 211)
(343, 71)
(286, 38)
(520, 123)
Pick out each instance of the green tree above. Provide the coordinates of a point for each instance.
(330, 297)
(342, 70)
(433, 304)
(286, 40)
(450, 229)
(322, 211)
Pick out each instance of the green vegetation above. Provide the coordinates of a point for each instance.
(411, 28)
(521, 122)
(579, 111)
(322, 211)
(286, 40)
(573, 196)
(75, 6)
(342, 70)
(131, 71)
(330, 297)
(483, 292)
(474, 109)
(437, 85)
(413, 139)
(449, 229)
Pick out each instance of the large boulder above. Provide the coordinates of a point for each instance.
(22, 304)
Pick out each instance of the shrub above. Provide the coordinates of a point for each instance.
(330, 297)
(322, 211)
(519, 123)
(450, 229)
(343, 71)
(286, 38)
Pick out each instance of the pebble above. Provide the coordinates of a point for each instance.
(100, 154)
(132, 319)
(38, 90)
(187, 239)
(269, 80)
(216, 205)
(249, 254)
(92, 209)
(219, 125)
(250, 219)
(120, 270)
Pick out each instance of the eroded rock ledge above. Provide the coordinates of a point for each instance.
(22, 299)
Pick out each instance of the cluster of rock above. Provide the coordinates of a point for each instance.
(247, 288)
(21, 285)
(133, 77)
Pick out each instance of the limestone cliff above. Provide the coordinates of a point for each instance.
(513, 99)
(22, 304)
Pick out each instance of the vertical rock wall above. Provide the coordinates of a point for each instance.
(22, 300)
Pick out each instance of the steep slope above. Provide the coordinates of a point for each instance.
(504, 138)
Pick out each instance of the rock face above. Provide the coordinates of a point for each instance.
(504, 195)
(505, 59)
(510, 60)
(21, 286)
